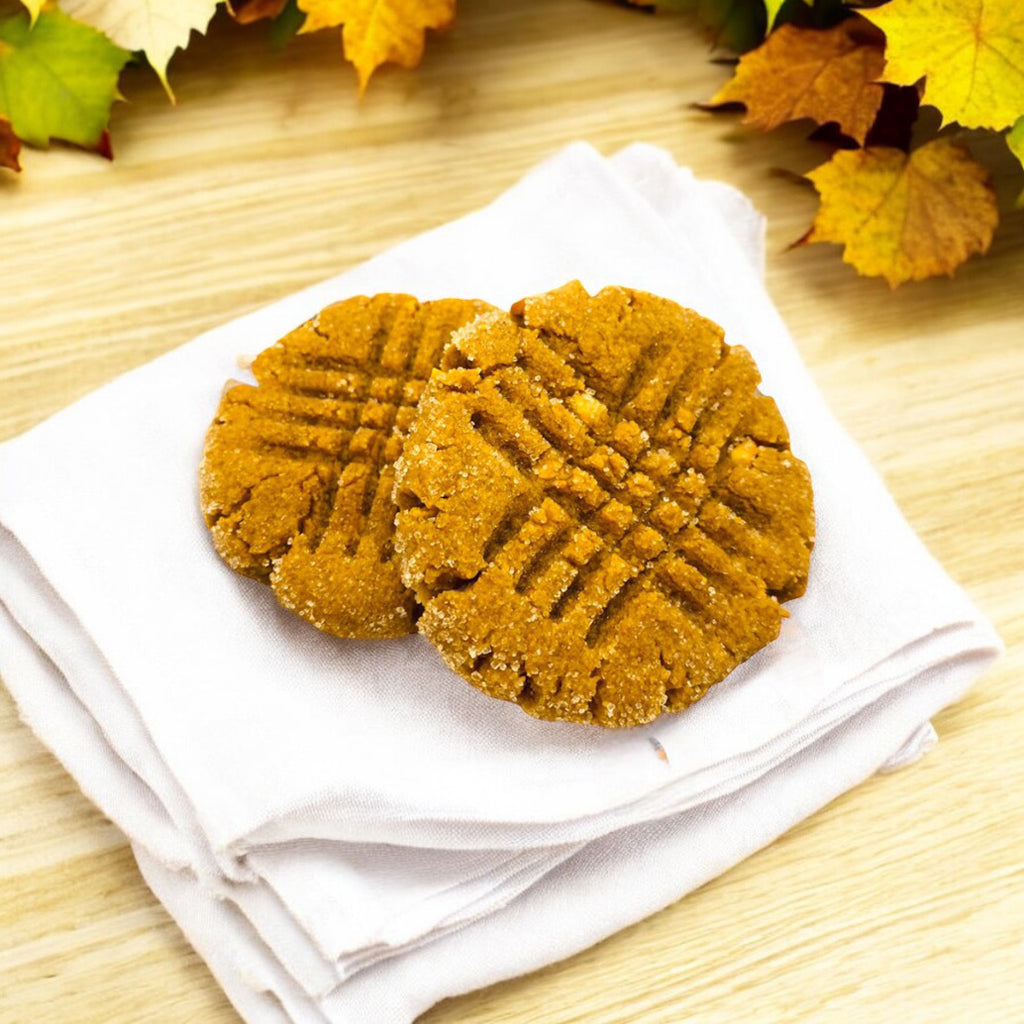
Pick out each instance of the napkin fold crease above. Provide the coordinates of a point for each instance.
(344, 830)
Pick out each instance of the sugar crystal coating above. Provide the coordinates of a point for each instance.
(298, 470)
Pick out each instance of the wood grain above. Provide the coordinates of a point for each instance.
(904, 900)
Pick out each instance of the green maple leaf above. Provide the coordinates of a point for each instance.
(1015, 140)
(808, 13)
(772, 8)
(737, 25)
(58, 78)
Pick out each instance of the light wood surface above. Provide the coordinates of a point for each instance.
(902, 901)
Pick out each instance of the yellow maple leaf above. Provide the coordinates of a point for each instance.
(33, 7)
(905, 217)
(970, 53)
(822, 74)
(378, 31)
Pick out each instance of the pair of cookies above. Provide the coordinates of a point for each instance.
(585, 503)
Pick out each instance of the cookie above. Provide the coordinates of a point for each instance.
(598, 510)
(297, 471)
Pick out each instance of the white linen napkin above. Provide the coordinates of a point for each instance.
(335, 824)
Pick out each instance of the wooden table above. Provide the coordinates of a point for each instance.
(902, 901)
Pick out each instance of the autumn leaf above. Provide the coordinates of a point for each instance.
(378, 31)
(10, 147)
(736, 25)
(33, 7)
(58, 78)
(245, 12)
(152, 26)
(773, 7)
(287, 24)
(970, 53)
(822, 74)
(904, 216)
(284, 16)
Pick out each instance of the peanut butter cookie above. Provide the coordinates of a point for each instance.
(598, 510)
(297, 472)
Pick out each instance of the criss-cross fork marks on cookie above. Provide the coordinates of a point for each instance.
(297, 473)
(639, 515)
(341, 422)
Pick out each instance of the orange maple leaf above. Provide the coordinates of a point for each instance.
(827, 75)
(378, 31)
(904, 216)
(10, 146)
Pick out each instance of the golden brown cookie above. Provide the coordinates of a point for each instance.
(297, 472)
(598, 509)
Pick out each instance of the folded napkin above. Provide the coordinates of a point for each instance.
(345, 830)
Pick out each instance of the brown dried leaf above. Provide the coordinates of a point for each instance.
(245, 12)
(827, 75)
